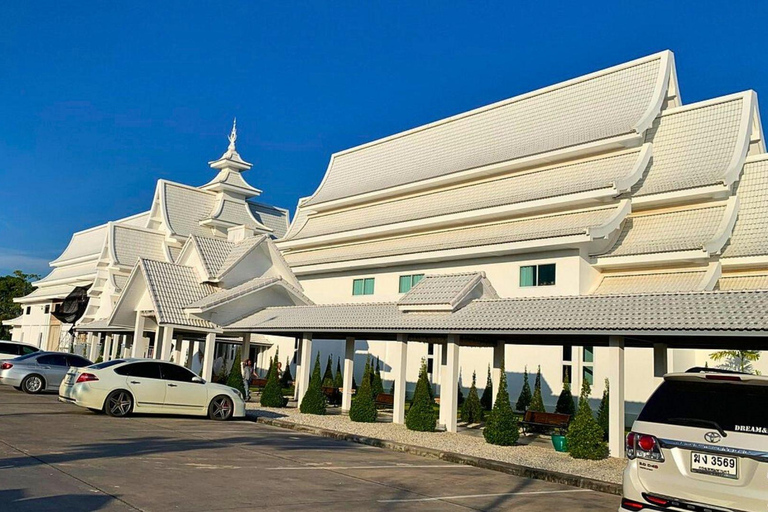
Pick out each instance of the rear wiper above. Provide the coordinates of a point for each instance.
(697, 421)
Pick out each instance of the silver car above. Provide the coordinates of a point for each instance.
(38, 372)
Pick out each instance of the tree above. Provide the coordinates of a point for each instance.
(585, 437)
(377, 385)
(363, 409)
(422, 415)
(235, 378)
(502, 427)
(459, 393)
(487, 399)
(472, 410)
(602, 412)
(328, 375)
(737, 360)
(314, 401)
(13, 286)
(272, 394)
(338, 379)
(286, 378)
(524, 400)
(537, 403)
(565, 403)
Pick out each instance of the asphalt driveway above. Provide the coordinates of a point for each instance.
(55, 456)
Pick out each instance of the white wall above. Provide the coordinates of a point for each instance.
(34, 326)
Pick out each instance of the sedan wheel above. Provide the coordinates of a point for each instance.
(32, 384)
(221, 408)
(119, 404)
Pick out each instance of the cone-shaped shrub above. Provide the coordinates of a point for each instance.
(422, 415)
(286, 377)
(537, 403)
(565, 403)
(235, 377)
(272, 394)
(472, 410)
(585, 437)
(338, 379)
(602, 411)
(377, 385)
(524, 400)
(314, 400)
(501, 427)
(487, 399)
(363, 409)
(327, 381)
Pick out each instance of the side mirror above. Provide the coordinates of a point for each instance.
(198, 380)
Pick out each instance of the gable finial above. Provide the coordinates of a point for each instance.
(233, 136)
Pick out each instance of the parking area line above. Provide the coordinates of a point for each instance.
(468, 496)
(343, 468)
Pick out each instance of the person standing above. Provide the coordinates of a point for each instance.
(247, 374)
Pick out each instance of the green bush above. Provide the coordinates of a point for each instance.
(524, 400)
(272, 394)
(487, 399)
(338, 379)
(459, 394)
(286, 378)
(314, 400)
(585, 437)
(537, 403)
(377, 385)
(565, 403)
(328, 375)
(602, 412)
(472, 410)
(502, 427)
(363, 409)
(235, 377)
(422, 415)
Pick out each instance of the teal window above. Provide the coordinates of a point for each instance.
(537, 275)
(589, 354)
(409, 281)
(363, 286)
(588, 375)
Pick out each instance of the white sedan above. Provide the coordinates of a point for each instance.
(123, 386)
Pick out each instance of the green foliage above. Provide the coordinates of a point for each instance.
(585, 437)
(286, 378)
(524, 400)
(472, 410)
(13, 286)
(537, 403)
(328, 375)
(314, 401)
(422, 415)
(363, 409)
(502, 427)
(272, 394)
(602, 412)
(459, 394)
(338, 379)
(738, 360)
(235, 377)
(377, 385)
(565, 403)
(487, 399)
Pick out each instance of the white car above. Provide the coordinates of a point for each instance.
(701, 444)
(123, 386)
(14, 349)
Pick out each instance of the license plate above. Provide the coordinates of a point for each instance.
(715, 465)
(70, 379)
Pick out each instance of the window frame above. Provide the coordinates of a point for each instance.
(411, 280)
(363, 288)
(535, 279)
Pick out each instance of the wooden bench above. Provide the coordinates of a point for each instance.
(385, 400)
(549, 421)
(258, 382)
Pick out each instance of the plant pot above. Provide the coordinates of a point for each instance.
(560, 442)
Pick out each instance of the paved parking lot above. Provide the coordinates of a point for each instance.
(56, 456)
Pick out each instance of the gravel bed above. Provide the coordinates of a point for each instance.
(608, 470)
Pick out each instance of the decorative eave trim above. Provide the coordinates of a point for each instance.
(714, 192)
(74, 261)
(745, 262)
(128, 283)
(659, 93)
(733, 170)
(613, 223)
(653, 259)
(711, 276)
(626, 183)
(725, 228)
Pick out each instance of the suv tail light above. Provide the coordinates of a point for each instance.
(643, 446)
(6, 366)
(86, 377)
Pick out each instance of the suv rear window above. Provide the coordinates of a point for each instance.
(734, 407)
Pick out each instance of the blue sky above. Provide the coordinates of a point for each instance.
(98, 101)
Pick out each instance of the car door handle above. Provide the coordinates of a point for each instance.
(135, 382)
(172, 385)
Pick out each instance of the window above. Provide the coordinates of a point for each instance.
(29, 310)
(52, 360)
(107, 364)
(567, 363)
(25, 349)
(537, 275)
(430, 358)
(588, 368)
(363, 286)
(47, 309)
(147, 370)
(409, 281)
(176, 373)
(77, 361)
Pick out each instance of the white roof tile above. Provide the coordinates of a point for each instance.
(82, 272)
(213, 252)
(131, 243)
(274, 218)
(442, 289)
(745, 282)
(83, 244)
(664, 282)
(186, 207)
(750, 233)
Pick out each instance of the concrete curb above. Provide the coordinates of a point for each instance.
(494, 465)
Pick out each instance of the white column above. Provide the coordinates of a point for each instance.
(616, 400)
(113, 348)
(660, 363)
(190, 353)
(246, 353)
(138, 337)
(449, 396)
(93, 349)
(303, 371)
(349, 372)
(400, 362)
(108, 341)
(178, 354)
(157, 351)
(210, 347)
(498, 361)
(165, 353)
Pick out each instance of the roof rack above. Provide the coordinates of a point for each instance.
(704, 369)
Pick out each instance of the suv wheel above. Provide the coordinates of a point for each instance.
(32, 384)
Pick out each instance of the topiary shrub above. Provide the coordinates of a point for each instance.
(338, 379)
(502, 427)
(537, 403)
(565, 403)
(472, 410)
(602, 411)
(585, 437)
(328, 375)
(524, 400)
(422, 415)
(286, 378)
(377, 385)
(235, 377)
(459, 394)
(363, 409)
(314, 400)
(487, 399)
(272, 394)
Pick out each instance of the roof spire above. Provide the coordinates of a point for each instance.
(231, 158)
(233, 136)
